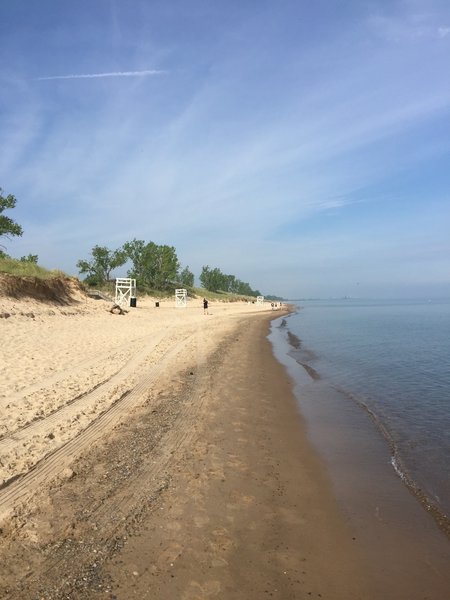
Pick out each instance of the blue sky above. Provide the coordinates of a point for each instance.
(302, 146)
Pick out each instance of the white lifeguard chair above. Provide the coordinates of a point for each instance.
(181, 298)
(259, 299)
(125, 290)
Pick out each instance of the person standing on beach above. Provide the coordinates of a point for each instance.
(205, 306)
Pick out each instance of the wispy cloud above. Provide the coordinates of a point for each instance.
(297, 172)
(144, 73)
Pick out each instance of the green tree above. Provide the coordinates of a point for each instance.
(103, 262)
(207, 278)
(215, 281)
(8, 227)
(166, 267)
(186, 277)
(136, 252)
(244, 289)
(232, 284)
(154, 266)
(31, 258)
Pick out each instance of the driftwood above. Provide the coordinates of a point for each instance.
(118, 310)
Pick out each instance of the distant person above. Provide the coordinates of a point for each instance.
(205, 306)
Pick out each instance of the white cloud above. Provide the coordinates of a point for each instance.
(443, 32)
(232, 160)
(144, 73)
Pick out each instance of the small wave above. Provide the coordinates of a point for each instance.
(440, 517)
(398, 470)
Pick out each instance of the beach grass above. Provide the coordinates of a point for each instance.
(21, 268)
(220, 296)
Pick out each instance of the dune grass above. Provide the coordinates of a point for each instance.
(220, 296)
(21, 268)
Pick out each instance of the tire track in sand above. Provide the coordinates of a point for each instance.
(78, 403)
(109, 516)
(23, 487)
(102, 524)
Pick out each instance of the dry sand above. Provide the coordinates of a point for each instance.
(160, 454)
(65, 366)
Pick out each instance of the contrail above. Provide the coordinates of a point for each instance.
(97, 75)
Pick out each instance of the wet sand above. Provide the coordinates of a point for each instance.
(405, 543)
(249, 512)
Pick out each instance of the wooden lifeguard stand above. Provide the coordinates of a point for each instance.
(181, 298)
(125, 290)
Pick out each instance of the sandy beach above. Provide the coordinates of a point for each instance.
(64, 366)
(161, 454)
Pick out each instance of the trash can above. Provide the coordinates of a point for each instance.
(133, 302)
(157, 304)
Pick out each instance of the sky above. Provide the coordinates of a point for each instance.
(303, 147)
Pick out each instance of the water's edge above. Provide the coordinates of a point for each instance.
(288, 350)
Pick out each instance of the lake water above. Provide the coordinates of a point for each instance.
(390, 360)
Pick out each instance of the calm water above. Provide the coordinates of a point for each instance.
(392, 359)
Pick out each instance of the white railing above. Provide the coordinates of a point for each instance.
(181, 298)
(125, 289)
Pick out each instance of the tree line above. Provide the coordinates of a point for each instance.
(216, 281)
(154, 266)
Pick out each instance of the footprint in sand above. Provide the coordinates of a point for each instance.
(200, 591)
